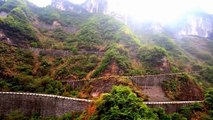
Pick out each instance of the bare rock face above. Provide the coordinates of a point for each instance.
(92, 6)
(58, 4)
(66, 5)
(56, 24)
(198, 25)
(3, 14)
(4, 38)
(96, 6)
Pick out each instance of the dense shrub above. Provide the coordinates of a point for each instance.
(165, 42)
(113, 54)
(208, 74)
(121, 104)
(78, 66)
(176, 116)
(209, 98)
(152, 55)
(44, 68)
(47, 85)
(182, 87)
(101, 29)
(17, 25)
(161, 114)
(14, 60)
(50, 14)
(188, 111)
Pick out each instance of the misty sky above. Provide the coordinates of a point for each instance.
(43, 3)
(157, 10)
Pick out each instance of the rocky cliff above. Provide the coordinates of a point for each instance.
(96, 6)
(66, 5)
(200, 24)
(93, 6)
(196, 23)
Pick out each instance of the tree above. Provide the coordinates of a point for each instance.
(122, 104)
(209, 98)
(208, 74)
(152, 55)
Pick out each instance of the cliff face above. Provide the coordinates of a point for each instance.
(195, 24)
(65, 5)
(198, 25)
(93, 6)
(96, 6)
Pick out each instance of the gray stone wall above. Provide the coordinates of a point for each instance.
(151, 80)
(172, 106)
(142, 80)
(45, 105)
(62, 53)
(51, 105)
(76, 84)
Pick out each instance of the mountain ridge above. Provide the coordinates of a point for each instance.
(42, 50)
(196, 23)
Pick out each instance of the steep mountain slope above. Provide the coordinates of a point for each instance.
(62, 45)
(76, 50)
(16, 27)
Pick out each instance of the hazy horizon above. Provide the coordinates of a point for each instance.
(161, 11)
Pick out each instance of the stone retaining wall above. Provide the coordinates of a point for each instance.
(172, 106)
(76, 84)
(62, 53)
(151, 80)
(142, 80)
(52, 105)
(45, 105)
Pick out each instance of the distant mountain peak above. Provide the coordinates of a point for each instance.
(58, 4)
(66, 5)
(92, 6)
(96, 6)
(195, 22)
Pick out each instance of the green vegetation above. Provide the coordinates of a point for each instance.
(16, 71)
(182, 54)
(17, 25)
(44, 68)
(188, 111)
(50, 14)
(11, 4)
(115, 54)
(165, 42)
(13, 60)
(77, 66)
(193, 50)
(23, 70)
(100, 29)
(179, 88)
(59, 34)
(172, 88)
(121, 104)
(208, 74)
(153, 56)
(209, 98)
(40, 85)
(209, 104)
